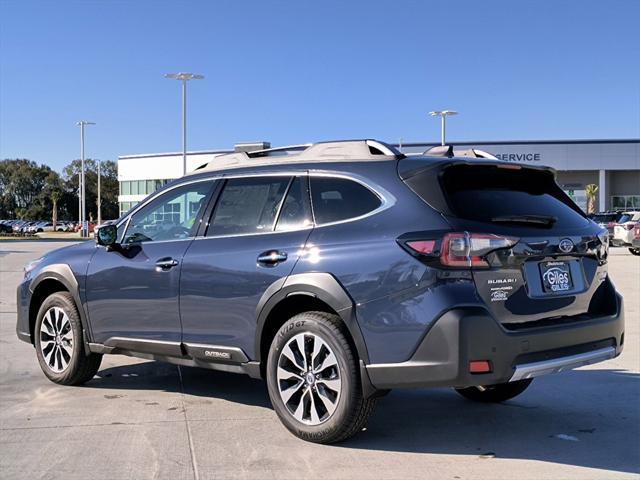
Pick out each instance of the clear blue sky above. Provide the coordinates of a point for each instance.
(298, 71)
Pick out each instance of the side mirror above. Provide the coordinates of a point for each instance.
(107, 235)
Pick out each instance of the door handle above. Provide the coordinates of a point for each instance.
(165, 264)
(271, 258)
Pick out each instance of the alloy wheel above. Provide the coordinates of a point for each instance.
(309, 379)
(56, 339)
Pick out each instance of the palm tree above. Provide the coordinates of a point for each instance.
(55, 196)
(591, 192)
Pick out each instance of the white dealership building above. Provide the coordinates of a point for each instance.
(613, 165)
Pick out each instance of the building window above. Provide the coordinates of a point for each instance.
(621, 202)
(141, 187)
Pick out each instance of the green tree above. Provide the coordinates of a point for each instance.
(108, 183)
(21, 185)
(51, 194)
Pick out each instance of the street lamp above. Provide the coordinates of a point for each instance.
(184, 78)
(99, 199)
(443, 114)
(83, 216)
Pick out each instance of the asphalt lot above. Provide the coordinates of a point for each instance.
(140, 419)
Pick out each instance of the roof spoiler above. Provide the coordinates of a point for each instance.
(449, 151)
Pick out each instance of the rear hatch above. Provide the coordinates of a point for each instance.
(533, 254)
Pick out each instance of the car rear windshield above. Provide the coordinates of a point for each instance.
(488, 193)
(604, 218)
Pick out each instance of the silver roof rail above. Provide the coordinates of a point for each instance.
(343, 150)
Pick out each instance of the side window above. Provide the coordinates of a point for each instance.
(295, 212)
(171, 216)
(336, 199)
(248, 205)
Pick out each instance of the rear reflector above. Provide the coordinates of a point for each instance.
(479, 366)
(425, 247)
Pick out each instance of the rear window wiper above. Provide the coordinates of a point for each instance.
(546, 220)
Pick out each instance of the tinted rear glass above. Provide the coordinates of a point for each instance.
(248, 205)
(336, 199)
(604, 218)
(485, 193)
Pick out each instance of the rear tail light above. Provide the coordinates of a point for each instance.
(636, 233)
(628, 226)
(462, 249)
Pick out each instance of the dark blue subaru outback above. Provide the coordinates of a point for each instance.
(337, 272)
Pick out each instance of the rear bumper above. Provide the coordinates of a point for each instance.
(462, 335)
(635, 243)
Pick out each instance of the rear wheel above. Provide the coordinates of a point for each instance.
(314, 380)
(635, 251)
(495, 393)
(59, 344)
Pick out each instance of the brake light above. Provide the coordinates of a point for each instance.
(636, 233)
(628, 226)
(461, 249)
(469, 249)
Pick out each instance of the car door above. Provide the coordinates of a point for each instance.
(133, 291)
(258, 229)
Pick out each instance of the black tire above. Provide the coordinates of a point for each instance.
(495, 393)
(81, 367)
(635, 251)
(351, 410)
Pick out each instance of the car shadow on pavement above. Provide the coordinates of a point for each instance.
(199, 382)
(585, 418)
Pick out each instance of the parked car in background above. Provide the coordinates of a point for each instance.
(607, 220)
(78, 227)
(64, 227)
(623, 230)
(17, 225)
(5, 227)
(635, 242)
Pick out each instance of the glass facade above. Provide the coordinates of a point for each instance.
(138, 187)
(620, 202)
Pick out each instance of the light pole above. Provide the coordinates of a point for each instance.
(443, 114)
(184, 78)
(85, 227)
(80, 199)
(99, 199)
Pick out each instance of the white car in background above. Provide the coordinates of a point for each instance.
(41, 227)
(623, 230)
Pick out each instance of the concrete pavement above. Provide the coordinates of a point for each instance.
(140, 419)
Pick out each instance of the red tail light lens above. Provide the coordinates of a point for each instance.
(425, 247)
(629, 226)
(460, 249)
(469, 249)
(636, 233)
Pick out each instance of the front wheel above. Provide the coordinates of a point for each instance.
(59, 345)
(495, 393)
(635, 251)
(314, 380)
